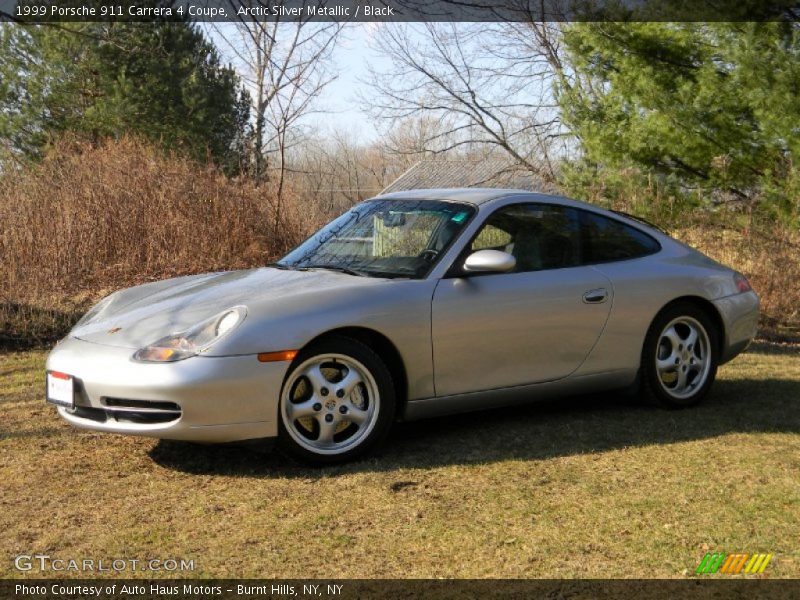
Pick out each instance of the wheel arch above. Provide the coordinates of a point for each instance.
(383, 347)
(707, 307)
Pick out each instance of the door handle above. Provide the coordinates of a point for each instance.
(595, 296)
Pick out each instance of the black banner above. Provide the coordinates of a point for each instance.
(41, 11)
(235, 589)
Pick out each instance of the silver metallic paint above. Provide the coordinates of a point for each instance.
(443, 329)
(221, 398)
(503, 330)
(489, 261)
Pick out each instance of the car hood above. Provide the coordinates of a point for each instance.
(141, 315)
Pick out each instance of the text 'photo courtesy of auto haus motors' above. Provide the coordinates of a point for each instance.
(409, 305)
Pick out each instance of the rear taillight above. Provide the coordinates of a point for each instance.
(741, 283)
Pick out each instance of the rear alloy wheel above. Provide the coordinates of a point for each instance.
(680, 356)
(337, 402)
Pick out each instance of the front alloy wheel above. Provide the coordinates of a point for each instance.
(336, 403)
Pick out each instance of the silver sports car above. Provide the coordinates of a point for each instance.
(409, 305)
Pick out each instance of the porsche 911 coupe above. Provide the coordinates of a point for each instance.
(409, 305)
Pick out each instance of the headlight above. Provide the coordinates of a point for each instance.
(95, 312)
(191, 342)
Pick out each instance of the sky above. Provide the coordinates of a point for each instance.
(353, 55)
(351, 61)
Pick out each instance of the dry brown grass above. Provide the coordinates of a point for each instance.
(586, 487)
(91, 219)
(769, 259)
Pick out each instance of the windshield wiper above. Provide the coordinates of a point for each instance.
(281, 266)
(285, 267)
(346, 270)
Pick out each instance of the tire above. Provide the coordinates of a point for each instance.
(337, 402)
(680, 356)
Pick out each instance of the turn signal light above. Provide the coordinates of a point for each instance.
(281, 355)
(155, 354)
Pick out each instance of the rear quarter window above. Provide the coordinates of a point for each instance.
(608, 240)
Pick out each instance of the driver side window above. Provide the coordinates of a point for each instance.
(491, 238)
(539, 236)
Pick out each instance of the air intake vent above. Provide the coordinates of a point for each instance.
(141, 411)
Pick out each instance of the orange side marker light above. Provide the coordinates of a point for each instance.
(281, 355)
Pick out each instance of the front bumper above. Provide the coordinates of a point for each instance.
(202, 399)
(740, 316)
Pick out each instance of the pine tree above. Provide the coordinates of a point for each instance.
(163, 81)
(715, 105)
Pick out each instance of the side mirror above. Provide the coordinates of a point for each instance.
(393, 219)
(489, 261)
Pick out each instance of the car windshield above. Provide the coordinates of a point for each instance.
(383, 238)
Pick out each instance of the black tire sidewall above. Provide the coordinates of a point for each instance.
(652, 388)
(386, 410)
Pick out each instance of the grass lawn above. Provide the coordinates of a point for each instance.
(582, 487)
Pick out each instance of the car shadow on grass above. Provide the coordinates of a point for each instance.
(563, 427)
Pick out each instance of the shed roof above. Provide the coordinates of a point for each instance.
(467, 173)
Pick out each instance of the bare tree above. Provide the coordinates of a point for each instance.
(335, 171)
(412, 139)
(490, 84)
(286, 65)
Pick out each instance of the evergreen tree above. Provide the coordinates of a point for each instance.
(714, 105)
(160, 80)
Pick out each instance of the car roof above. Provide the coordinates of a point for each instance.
(486, 196)
(478, 196)
(469, 195)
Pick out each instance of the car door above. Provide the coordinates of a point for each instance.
(537, 323)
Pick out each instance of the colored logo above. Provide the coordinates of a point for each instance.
(731, 564)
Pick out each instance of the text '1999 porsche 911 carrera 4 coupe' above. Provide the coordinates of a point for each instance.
(409, 305)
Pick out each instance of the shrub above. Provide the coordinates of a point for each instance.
(90, 219)
(768, 254)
